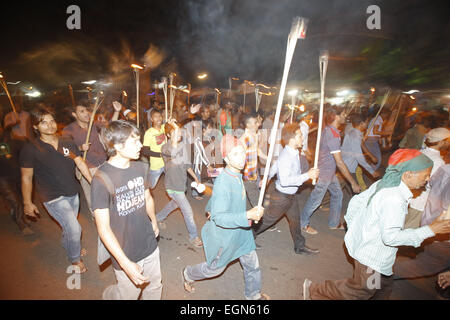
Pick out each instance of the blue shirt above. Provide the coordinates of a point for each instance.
(228, 230)
(289, 173)
(330, 144)
(352, 154)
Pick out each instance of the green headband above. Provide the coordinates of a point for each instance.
(393, 176)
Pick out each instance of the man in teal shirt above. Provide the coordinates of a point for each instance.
(227, 234)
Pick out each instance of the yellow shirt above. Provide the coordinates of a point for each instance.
(155, 139)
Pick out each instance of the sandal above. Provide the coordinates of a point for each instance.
(197, 242)
(310, 230)
(340, 226)
(188, 286)
(264, 296)
(80, 267)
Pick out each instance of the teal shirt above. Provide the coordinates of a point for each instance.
(228, 230)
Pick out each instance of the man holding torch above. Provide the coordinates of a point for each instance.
(329, 158)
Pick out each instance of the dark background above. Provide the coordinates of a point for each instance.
(226, 38)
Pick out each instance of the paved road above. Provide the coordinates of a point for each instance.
(34, 267)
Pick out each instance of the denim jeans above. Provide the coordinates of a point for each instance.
(252, 273)
(86, 186)
(154, 176)
(125, 289)
(316, 197)
(373, 146)
(179, 200)
(65, 211)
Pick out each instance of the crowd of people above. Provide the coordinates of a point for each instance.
(118, 163)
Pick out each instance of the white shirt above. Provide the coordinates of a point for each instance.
(304, 128)
(376, 230)
(419, 202)
(290, 175)
(379, 123)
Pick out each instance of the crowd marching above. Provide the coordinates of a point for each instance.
(118, 163)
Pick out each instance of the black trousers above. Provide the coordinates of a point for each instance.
(287, 205)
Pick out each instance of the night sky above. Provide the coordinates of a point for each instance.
(240, 38)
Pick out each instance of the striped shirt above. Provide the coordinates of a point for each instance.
(375, 231)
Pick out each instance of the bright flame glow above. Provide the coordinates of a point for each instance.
(202, 76)
(302, 108)
(411, 91)
(414, 109)
(124, 93)
(262, 85)
(89, 82)
(343, 93)
(33, 94)
(293, 92)
(136, 66)
(337, 100)
(412, 97)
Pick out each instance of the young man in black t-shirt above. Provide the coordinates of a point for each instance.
(125, 215)
(51, 160)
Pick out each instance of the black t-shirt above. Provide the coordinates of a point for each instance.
(122, 191)
(53, 170)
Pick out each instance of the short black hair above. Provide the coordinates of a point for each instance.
(154, 110)
(330, 114)
(247, 116)
(357, 119)
(117, 132)
(38, 113)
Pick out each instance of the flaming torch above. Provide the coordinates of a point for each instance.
(323, 63)
(298, 31)
(5, 87)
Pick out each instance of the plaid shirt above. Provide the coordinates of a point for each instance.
(251, 156)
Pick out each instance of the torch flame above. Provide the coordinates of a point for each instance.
(136, 66)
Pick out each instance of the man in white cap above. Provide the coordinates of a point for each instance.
(436, 140)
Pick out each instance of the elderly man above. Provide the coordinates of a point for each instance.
(375, 220)
(436, 140)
